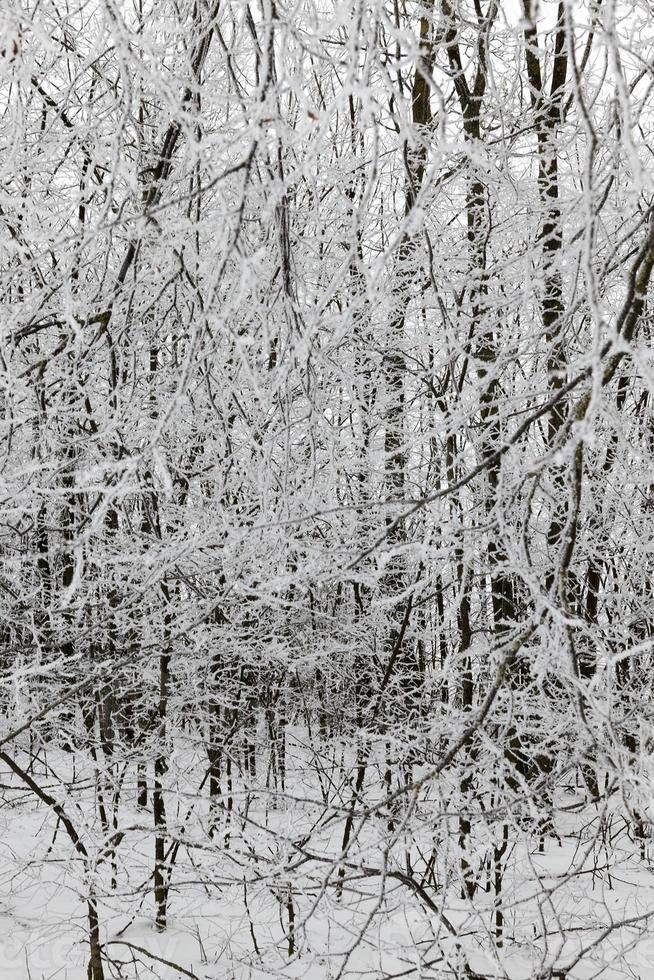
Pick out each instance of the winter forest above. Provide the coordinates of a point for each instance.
(326, 489)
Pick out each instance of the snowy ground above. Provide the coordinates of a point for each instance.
(583, 906)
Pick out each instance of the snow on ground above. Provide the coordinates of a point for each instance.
(228, 915)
